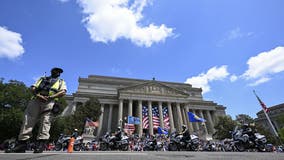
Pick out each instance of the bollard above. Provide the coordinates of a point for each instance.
(70, 145)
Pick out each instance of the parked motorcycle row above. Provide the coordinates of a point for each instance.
(239, 142)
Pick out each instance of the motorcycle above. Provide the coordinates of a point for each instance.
(109, 143)
(176, 144)
(62, 142)
(78, 144)
(243, 142)
(152, 145)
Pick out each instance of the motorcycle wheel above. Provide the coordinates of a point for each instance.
(124, 147)
(194, 147)
(58, 147)
(103, 146)
(172, 147)
(261, 148)
(77, 147)
(240, 147)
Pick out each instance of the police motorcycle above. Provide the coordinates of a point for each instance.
(78, 144)
(109, 142)
(151, 144)
(62, 142)
(176, 144)
(242, 141)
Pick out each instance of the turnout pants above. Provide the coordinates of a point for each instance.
(37, 111)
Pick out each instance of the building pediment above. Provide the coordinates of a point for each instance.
(153, 88)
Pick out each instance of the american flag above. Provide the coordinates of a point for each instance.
(129, 128)
(145, 118)
(166, 118)
(91, 123)
(262, 104)
(156, 119)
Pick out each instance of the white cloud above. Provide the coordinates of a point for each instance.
(10, 44)
(259, 81)
(233, 78)
(265, 64)
(203, 79)
(109, 20)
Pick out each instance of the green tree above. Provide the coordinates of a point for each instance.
(90, 109)
(224, 125)
(281, 134)
(243, 118)
(270, 137)
(14, 97)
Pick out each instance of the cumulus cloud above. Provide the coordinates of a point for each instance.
(203, 79)
(233, 78)
(109, 20)
(10, 44)
(259, 81)
(265, 64)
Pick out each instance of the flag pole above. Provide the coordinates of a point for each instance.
(265, 112)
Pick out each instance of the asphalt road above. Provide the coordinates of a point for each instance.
(116, 155)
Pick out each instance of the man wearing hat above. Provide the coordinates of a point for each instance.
(46, 92)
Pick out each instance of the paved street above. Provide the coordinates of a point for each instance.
(143, 156)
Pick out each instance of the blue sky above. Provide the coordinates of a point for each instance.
(229, 48)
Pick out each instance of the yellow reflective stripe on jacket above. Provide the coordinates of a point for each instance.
(55, 87)
(38, 82)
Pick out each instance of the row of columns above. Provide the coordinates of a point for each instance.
(182, 117)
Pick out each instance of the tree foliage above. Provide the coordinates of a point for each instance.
(14, 97)
(91, 109)
(224, 125)
(66, 125)
(243, 118)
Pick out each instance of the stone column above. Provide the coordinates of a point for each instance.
(150, 117)
(203, 124)
(130, 102)
(171, 116)
(211, 124)
(120, 111)
(184, 119)
(195, 123)
(109, 118)
(140, 129)
(179, 117)
(161, 115)
(189, 123)
(101, 120)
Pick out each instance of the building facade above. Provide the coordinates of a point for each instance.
(275, 112)
(156, 103)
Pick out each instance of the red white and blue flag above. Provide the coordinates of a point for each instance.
(156, 118)
(262, 104)
(145, 118)
(91, 123)
(166, 118)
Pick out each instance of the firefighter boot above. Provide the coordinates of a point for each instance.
(40, 145)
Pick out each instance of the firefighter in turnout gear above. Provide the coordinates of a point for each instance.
(46, 92)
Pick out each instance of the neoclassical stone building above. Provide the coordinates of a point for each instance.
(275, 113)
(120, 97)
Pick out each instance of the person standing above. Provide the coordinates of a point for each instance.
(46, 92)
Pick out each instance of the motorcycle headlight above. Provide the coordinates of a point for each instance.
(263, 140)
